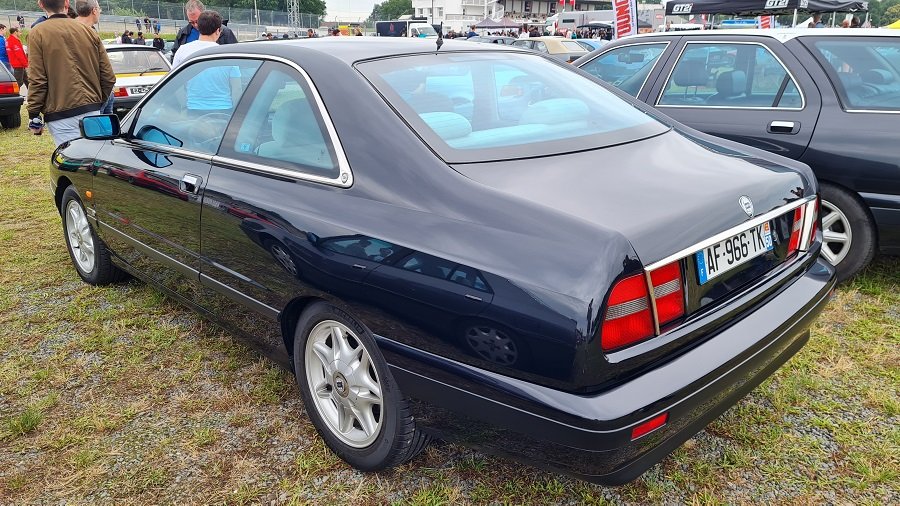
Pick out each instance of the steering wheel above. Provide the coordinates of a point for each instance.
(207, 128)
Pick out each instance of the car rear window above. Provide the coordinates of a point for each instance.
(571, 45)
(864, 70)
(135, 62)
(484, 106)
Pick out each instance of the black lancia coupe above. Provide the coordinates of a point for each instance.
(462, 241)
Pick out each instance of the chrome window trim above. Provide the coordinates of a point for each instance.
(164, 148)
(731, 42)
(344, 178)
(871, 111)
(665, 44)
(721, 236)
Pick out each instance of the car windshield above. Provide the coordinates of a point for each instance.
(135, 62)
(483, 106)
(424, 30)
(572, 46)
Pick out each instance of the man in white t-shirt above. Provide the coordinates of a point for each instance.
(209, 24)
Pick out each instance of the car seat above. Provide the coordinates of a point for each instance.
(297, 136)
(731, 87)
(691, 73)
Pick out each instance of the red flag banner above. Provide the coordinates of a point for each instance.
(626, 17)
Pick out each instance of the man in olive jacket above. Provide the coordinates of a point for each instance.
(190, 33)
(69, 74)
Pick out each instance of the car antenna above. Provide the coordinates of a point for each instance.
(440, 40)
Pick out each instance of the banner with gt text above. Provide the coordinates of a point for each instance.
(626, 17)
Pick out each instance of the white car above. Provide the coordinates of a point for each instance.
(138, 68)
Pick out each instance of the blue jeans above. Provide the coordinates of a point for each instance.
(108, 106)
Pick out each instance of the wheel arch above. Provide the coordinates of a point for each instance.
(289, 318)
(855, 195)
(61, 184)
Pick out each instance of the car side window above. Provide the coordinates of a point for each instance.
(626, 67)
(282, 126)
(427, 264)
(520, 43)
(730, 75)
(540, 46)
(865, 72)
(367, 248)
(192, 110)
(468, 276)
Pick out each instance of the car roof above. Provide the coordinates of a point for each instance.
(125, 47)
(781, 34)
(354, 49)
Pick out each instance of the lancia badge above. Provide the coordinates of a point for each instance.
(746, 205)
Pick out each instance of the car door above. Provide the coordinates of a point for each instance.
(748, 89)
(149, 184)
(266, 232)
(629, 67)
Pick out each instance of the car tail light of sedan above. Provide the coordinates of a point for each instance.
(120, 91)
(803, 231)
(9, 88)
(632, 315)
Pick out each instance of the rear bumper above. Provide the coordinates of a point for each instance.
(589, 436)
(10, 104)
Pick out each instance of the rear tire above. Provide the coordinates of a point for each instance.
(11, 120)
(359, 411)
(89, 254)
(849, 237)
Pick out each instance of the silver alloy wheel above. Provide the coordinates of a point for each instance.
(836, 232)
(345, 386)
(284, 258)
(81, 242)
(492, 344)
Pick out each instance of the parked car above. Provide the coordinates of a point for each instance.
(167, 48)
(591, 44)
(829, 98)
(10, 100)
(138, 68)
(492, 39)
(456, 273)
(562, 49)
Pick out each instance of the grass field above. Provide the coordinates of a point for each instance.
(117, 394)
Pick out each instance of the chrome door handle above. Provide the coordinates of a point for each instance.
(190, 183)
(472, 297)
(783, 127)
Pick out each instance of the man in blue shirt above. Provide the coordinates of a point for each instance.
(189, 32)
(4, 59)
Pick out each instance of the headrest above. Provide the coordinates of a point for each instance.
(555, 111)
(849, 80)
(447, 125)
(731, 84)
(877, 76)
(691, 73)
(294, 123)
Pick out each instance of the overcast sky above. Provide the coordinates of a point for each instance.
(349, 10)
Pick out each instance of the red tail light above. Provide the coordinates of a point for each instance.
(669, 292)
(628, 318)
(9, 88)
(796, 230)
(649, 426)
(120, 92)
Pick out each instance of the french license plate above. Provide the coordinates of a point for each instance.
(138, 90)
(732, 252)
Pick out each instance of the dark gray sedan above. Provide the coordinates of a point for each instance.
(828, 98)
(466, 242)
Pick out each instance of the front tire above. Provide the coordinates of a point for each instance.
(848, 232)
(349, 393)
(89, 254)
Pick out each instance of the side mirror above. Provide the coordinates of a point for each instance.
(100, 127)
